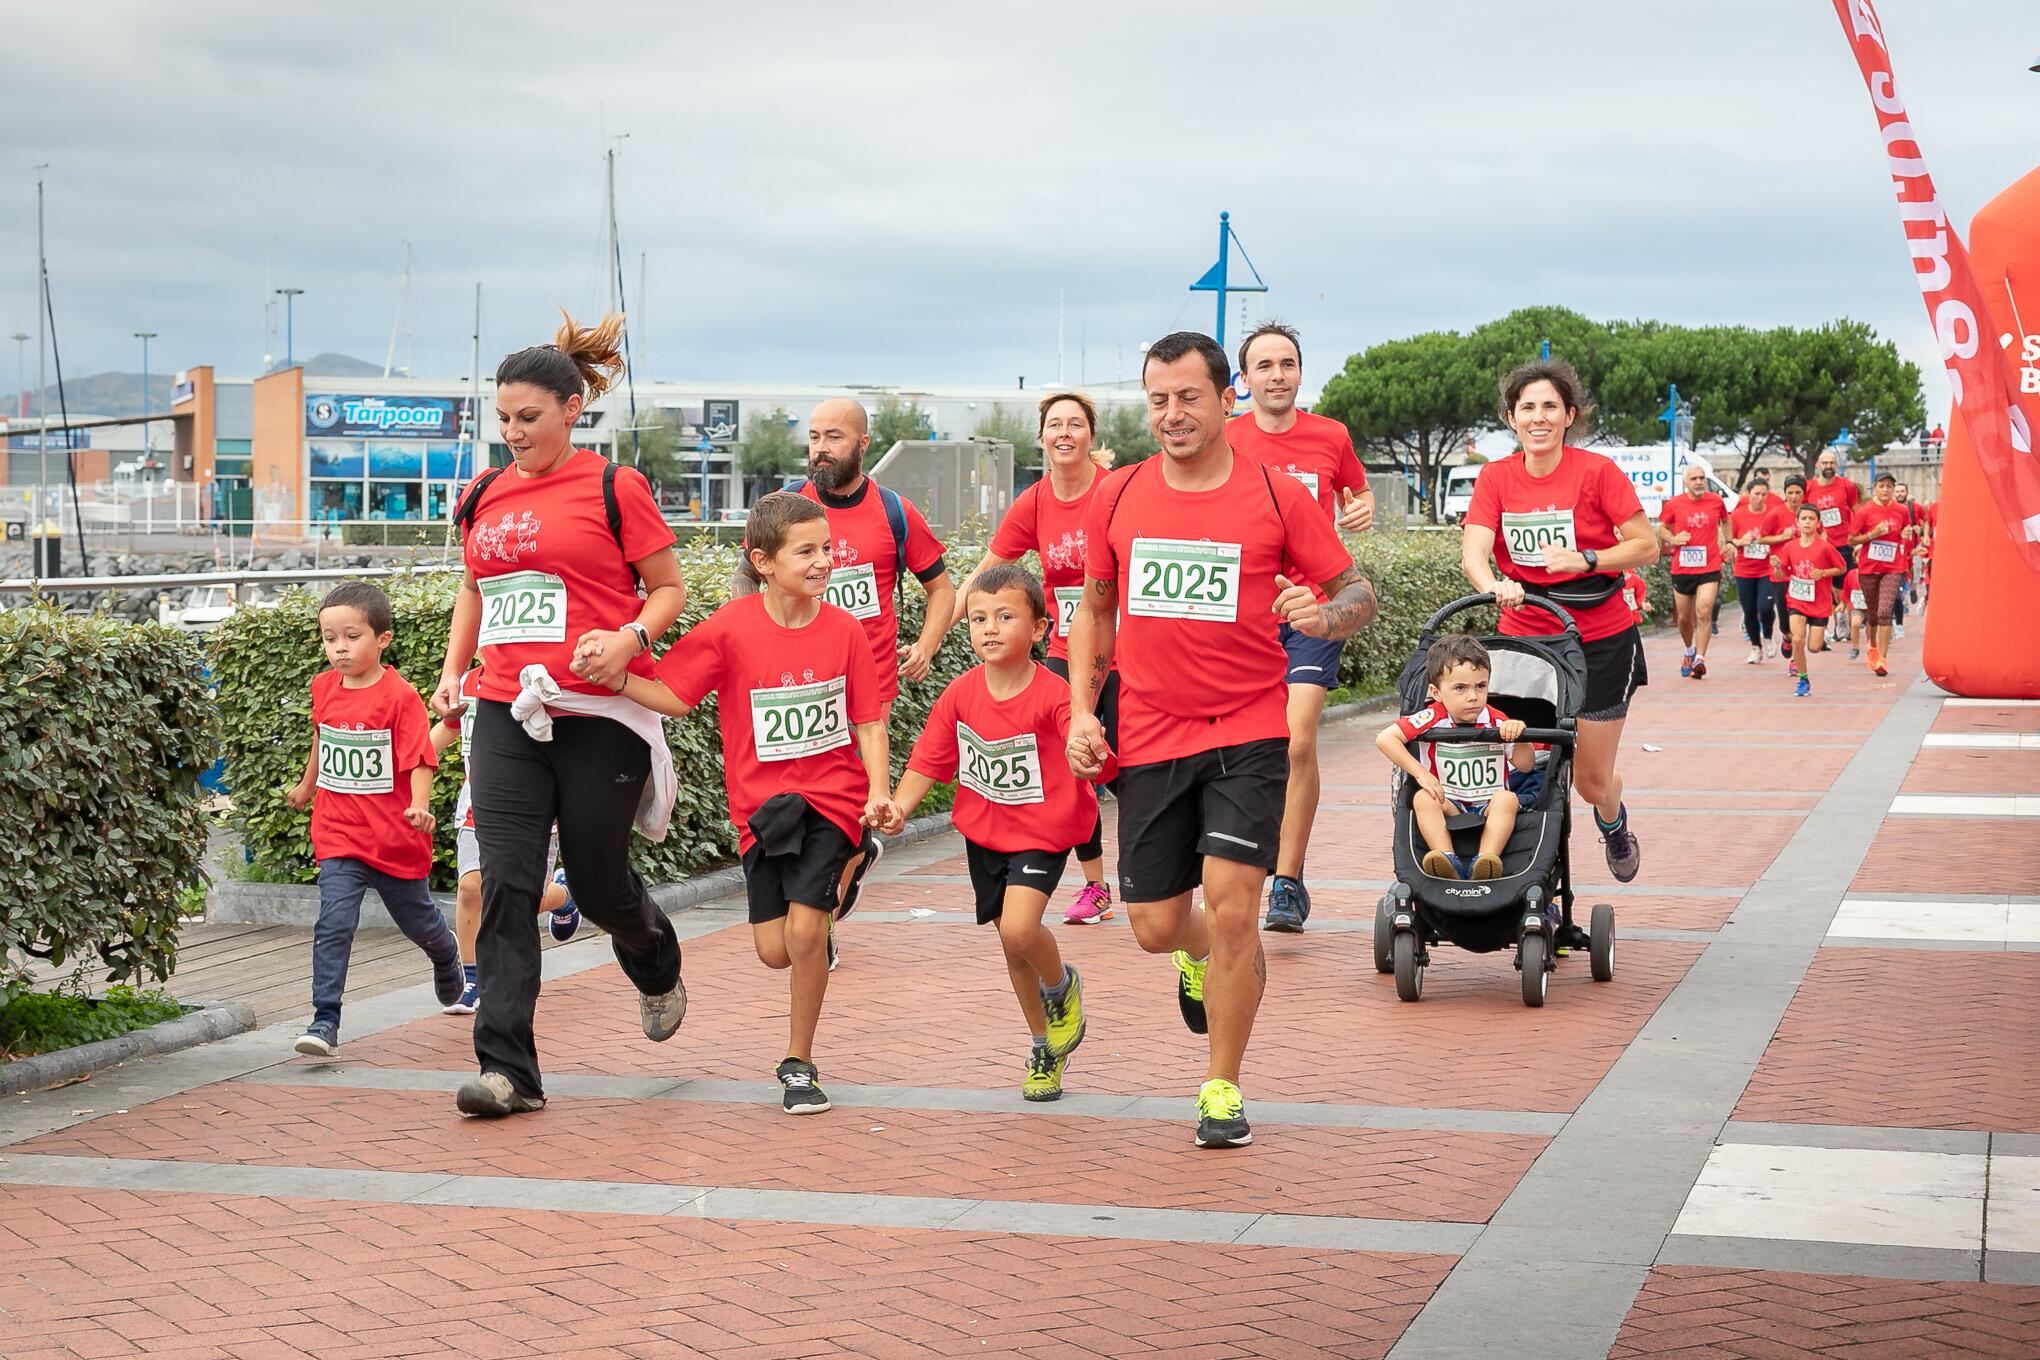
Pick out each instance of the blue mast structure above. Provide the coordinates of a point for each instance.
(1216, 280)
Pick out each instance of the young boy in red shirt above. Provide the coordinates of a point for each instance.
(1469, 777)
(1804, 565)
(369, 781)
(804, 754)
(1849, 600)
(1000, 730)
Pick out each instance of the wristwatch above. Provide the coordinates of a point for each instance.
(1593, 559)
(644, 639)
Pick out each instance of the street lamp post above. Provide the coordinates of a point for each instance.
(290, 297)
(148, 441)
(21, 339)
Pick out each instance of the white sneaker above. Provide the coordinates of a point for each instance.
(1756, 655)
(1770, 649)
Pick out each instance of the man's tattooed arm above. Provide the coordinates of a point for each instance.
(1351, 605)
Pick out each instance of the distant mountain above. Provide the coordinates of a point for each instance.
(341, 366)
(120, 394)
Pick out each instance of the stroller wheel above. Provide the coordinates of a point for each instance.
(1536, 977)
(1384, 934)
(1409, 974)
(1601, 952)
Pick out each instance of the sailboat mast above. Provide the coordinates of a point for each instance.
(401, 325)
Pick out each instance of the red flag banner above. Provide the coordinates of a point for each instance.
(1998, 418)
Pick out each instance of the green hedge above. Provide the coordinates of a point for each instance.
(104, 728)
(265, 659)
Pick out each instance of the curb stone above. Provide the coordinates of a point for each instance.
(209, 1020)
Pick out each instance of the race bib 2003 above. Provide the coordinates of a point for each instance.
(792, 721)
(1178, 578)
(355, 762)
(1527, 533)
(1007, 770)
(855, 589)
(523, 606)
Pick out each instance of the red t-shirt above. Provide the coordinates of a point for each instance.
(1040, 521)
(786, 699)
(1795, 564)
(1414, 725)
(1582, 500)
(1014, 788)
(1769, 522)
(1200, 660)
(1316, 450)
(1836, 501)
(1634, 588)
(550, 570)
(867, 565)
(1890, 553)
(1698, 517)
(1852, 590)
(370, 739)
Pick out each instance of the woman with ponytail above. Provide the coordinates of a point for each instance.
(564, 551)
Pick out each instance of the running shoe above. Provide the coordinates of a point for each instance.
(1878, 665)
(470, 996)
(1756, 655)
(565, 920)
(1625, 854)
(1462, 865)
(1699, 668)
(1486, 867)
(1803, 689)
(801, 1085)
(1222, 1115)
(1855, 653)
(1771, 648)
(491, 1096)
(1686, 665)
(1044, 1075)
(318, 1041)
(1438, 864)
(1093, 904)
(1190, 990)
(449, 980)
(874, 851)
(1285, 905)
(1567, 938)
(661, 1015)
(1065, 1016)
(1898, 630)
(1785, 648)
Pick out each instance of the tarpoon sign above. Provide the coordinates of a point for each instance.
(358, 417)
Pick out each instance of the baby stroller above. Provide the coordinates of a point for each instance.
(1541, 681)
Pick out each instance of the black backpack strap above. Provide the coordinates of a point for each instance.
(464, 513)
(613, 512)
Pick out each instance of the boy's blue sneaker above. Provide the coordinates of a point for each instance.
(1803, 689)
(1288, 905)
(470, 996)
(318, 1041)
(565, 920)
(1462, 865)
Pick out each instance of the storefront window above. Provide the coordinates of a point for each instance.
(336, 500)
(393, 500)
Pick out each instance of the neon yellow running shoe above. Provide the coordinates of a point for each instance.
(1065, 1017)
(1222, 1115)
(1044, 1075)
(1190, 990)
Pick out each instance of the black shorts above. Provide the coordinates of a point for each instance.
(1615, 671)
(811, 875)
(1226, 802)
(994, 871)
(1690, 584)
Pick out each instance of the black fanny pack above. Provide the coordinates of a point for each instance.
(1581, 592)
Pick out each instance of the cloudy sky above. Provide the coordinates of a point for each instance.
(892, 192)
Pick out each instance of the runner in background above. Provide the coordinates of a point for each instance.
(1836, 498)
(1756, 526)
(1567, 522)
(1318, 453)
(1850, 604)
(1691, 526)
(1805, 566)
(1902, 495)
(1793, 491)
(1048, 519)
(1884, 534)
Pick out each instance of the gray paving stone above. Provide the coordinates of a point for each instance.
(808, 1206)
(1105, 1220)
(1857, 1136)
(2011, 1267)
(1358, 1234)
(2015, 1144)
(585, 1197)
(1548, 1310)
(1823, 1258)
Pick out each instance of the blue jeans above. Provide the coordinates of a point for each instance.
(341, 885)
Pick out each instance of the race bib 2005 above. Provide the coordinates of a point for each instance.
(355, 762)
(1693, 555)
(1800, 588)
(1309, 480)
(855, 589)
(800, 720)
(1004, 771)
(1067, 598)
(1526, 534)
(1882, 550)
(1756, 552)
(1470, 774)
(523, 606)
(1830, 516)
(1179, 578)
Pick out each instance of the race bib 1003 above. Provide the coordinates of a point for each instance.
(1179, 578)
(855, 589)
(1800, 588)
(1693, 555)
(1756, 552)
(1470, 774)
(1882, 550)
(1007, 770)
(523, 606)
(1830, 516)
(1309, 480)
(1067, 598)
(1526, 534)
(800, 720)
(355, 762)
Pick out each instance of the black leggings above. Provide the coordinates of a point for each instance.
(1108, 714)
(1758, 607)
(589, 778)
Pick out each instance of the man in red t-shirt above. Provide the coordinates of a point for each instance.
(1690, 527)
(876, 536)
(1884, 534)
(1318, 452)
(1836, 498)
(1195, 558)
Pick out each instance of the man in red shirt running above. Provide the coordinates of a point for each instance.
(1836, 498)
(1317, 452)
(1195, 557)
(1690, 527)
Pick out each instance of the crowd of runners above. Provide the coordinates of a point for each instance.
(1193, 607)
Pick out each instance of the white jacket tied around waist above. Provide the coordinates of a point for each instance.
(542, 697)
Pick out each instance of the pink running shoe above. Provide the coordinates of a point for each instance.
(1093, 904)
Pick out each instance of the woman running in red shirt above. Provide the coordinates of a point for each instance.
(1048, 518)
(1567, 523)
(563, 551)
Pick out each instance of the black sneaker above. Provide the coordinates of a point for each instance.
(1571, 937)
(1221, 1116)
(803, 1094)
(1190, 990)
(874, 851)
(449, 980)
(1624, 852)
(1287, 906)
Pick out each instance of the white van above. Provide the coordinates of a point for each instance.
(1455, 494)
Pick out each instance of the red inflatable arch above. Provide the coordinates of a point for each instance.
(1983, 626)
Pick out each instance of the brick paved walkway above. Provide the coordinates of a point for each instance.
(1803, 1120)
